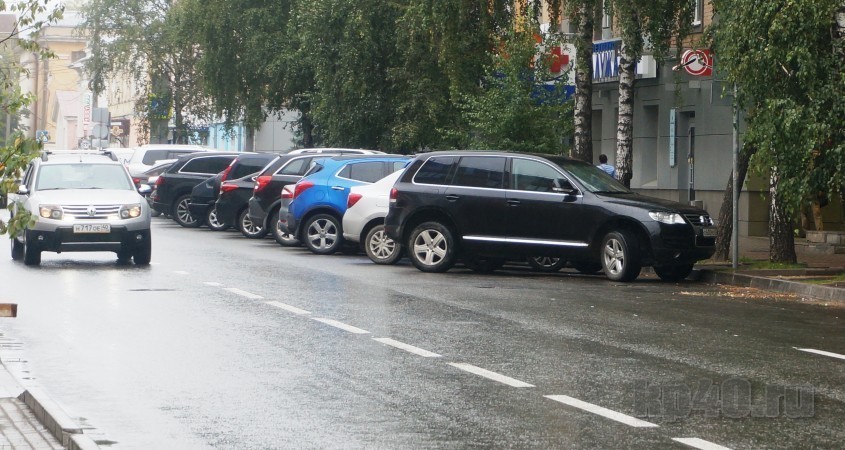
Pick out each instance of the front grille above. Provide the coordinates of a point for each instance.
(700, 220)
(100, 211)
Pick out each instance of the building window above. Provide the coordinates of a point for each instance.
(607, 18)
(697, 12)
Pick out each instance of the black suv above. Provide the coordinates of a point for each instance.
(172, 193)
(235, 190)
(489, 206)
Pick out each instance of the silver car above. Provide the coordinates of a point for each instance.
(82, 202)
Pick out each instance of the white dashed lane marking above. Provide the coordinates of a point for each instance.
(180, 272)
(289, 308)
(341, 325)
(598, 410)
(491, 375)
(408, 348)
(821, 352)
(700, 444)
(243, 293)
(213, 284)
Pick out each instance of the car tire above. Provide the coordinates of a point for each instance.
(322, 234)
(676, 272)
(282, 238)
(212, 222)
(620, 256)
(154, 213)
(587, 267)
(124, 255)
(248, 228)
(182, 213)
(546, 264)
(483, 265)
(380, 248)
(17, 249)
(431, 247)
(31, 253)
(143, 253)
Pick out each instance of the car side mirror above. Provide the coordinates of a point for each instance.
(563, 186)
(22, 190)
(145, 189)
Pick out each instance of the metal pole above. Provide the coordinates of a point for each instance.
(735, 215)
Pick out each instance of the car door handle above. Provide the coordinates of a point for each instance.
(338, 188)
(452, 197)
(514, 202)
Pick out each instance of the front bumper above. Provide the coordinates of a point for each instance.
(63, 239)
(684, 244)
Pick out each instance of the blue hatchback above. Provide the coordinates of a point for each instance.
(319, 199)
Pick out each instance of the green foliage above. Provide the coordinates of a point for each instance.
(513, 111)
(783, 60)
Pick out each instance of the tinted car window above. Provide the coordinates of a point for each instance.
(529, 175)
(480, 171)
(295, 167)
(593, 178)
(398, 165)
(246, 166)
(435, 171)
(208, 164)
(368, 172)
(174, 154)
(154, 155)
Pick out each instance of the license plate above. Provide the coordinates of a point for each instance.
(708, 232)
(92, 228)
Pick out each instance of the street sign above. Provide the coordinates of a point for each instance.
(698, 62)
(100, 131)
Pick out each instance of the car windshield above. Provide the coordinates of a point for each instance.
(594, 179)
(82, 176)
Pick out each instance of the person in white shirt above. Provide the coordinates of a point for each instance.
(606, 167)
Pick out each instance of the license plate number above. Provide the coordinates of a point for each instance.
(708, 232)
(92, 228)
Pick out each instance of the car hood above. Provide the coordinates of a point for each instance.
(88, 197)
(650, 203)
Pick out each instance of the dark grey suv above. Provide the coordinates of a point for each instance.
(486, 207)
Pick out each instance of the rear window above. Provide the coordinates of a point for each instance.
(481, 171)
(435, 170)
(368, 172)
(295, 167)
(151, 156)
(246, 166)
(207, 164)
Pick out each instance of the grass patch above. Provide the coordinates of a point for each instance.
(760, 264)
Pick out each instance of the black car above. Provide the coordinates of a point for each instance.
(486, 207)
(264, 204)
(235, 190)
(172, 194)
(204, 195)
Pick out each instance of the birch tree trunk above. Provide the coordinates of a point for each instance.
(724, 228)
(624, 127)
(781, 238)
(583, 109)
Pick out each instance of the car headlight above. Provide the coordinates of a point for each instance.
(130, 211)
(50, 212)
(667, 217)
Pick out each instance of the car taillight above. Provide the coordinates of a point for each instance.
(136, 180)
(301, 187)
(227, 171)
(262, 182)
(228, 186)
(393, 194)
(159, 181)
(286, 193)
(352, 199)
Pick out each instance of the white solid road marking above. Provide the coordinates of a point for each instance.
(820, 352)
(491, 375)
(700, 444)
(408, 348)
(243, 293)
(213, 284)
(341, 325)
(290, 308)
(604, 412)
(180, 272)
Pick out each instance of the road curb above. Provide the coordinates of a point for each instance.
(836, 295)
(56, 420)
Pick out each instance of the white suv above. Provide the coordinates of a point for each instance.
(146, 156)
(82, 202)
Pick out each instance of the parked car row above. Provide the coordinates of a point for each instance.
(438, 208)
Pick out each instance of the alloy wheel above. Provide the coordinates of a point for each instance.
(614, 256)
(430, 247)
(322, 234)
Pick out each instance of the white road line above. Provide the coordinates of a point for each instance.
(700, 444)
(490, 375)
(604, 412)
(290, 308)
(341, 325)
(180, 272)
(820, 352)
(408, 348)
(213, 284)
(243, 293)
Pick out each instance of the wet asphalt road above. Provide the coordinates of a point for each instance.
(230, 343)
